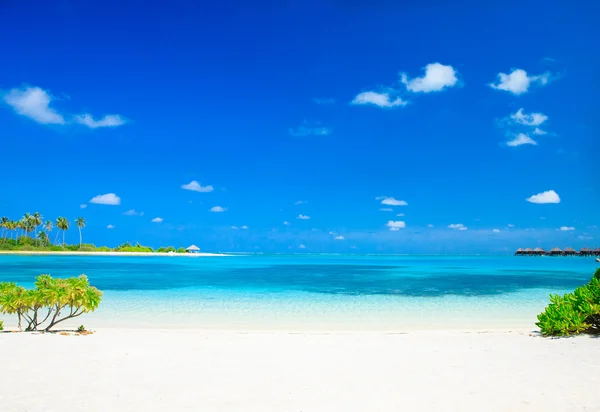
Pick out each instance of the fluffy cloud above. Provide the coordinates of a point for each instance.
(436, 78)
(400, 214)
(457, 226)
(528, 119)
(34, 103)
(377, 99)
(566, 228)
(309, 130)
(339, 238)
(244, 227)
(157, 220)
(300, 202)
(107, 199)
(521, 139)
(539, 131)
(217, 209)
(430, 225)
(303, 217)
(395, 225)
(286, 223)
(391, 201)
(302, 247)
(496, 230)
(83, 206)
(133, 213)
(234, 227)
(110, 227)
(549, 196)
(386, 209)
(110, 120)
(324, 100)
(518, 82)
(194, 186)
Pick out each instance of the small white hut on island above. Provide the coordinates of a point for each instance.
(192, 249)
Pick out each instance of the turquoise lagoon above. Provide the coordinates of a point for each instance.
(313, 292)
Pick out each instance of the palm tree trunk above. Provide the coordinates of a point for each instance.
(63, 238)
(80, 238)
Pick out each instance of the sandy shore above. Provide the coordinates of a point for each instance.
(175, 370)
(69, 253)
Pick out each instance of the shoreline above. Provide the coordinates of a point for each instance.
(159, 370)
(80, 253)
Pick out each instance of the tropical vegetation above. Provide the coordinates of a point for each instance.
(52, 301)
(32, 233)
(574, 313)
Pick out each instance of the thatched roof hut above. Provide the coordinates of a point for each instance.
(569, 251)
(192, 249)
(586, 251)
(596, 251)
(539, 251)
(519, 251)
(528, 251)
(555, 252)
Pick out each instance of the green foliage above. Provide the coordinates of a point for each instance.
(573, 313)
(181, 250)
(1, 325)
(167, 249)
(81, 329)
(52, 300)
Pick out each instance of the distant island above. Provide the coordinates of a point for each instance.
(586, 251)
(31, 234)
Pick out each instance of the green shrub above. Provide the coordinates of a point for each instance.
(181, 250)
(81, 329)
(573, 313)
(167, 249)
(52, 301)
(1, 325)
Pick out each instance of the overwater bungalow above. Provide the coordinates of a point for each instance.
(569, 251)
(596, 252)
(519, 251)
(539, 251)
(192, 249)
(528, 251)
(556, 252)
(586, 251)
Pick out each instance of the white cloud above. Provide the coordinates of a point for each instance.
(437, 77)
(430, 225)
(386, 209)
(157, 220)
(110, 227)
(303, 217)
(234, 227)
(286, 223)
(521, 139)
(549, 196)
(133, 213)
(302, 247)
(194, 186)
(457, 226)
(306, 130)
(528, 119)
(377, 99)
(33, 102)
(324, 100)
(391, 201)
(332, 233)
(244, 227)
(83, 206)
(496, 230)
(539, 131)
(110, 120)
(107, 199)
(340, 238)
(518, 82)
(301, 202)
(395, 225)
(566, 228)
(400, 214)
(510, 225)
(217, 209)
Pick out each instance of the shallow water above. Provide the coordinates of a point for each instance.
(314, 291)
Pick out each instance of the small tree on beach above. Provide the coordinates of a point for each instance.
(63, 225)
(80, 225)
(53, 301)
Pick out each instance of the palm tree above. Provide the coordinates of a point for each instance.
(4, 225)
(12, 226)
(63, 225)
(80, 225)
(36, 221)
(48, 227)
(43, 237)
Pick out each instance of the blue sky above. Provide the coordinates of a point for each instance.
(450, 116)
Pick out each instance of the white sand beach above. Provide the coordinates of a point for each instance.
(195, 370)
(71, 253)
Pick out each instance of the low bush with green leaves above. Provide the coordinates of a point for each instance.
(1, 325)
(574, 313)
(51, 302)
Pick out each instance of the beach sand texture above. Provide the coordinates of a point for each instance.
(175, 370)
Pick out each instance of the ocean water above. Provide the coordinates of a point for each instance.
(313, 292)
